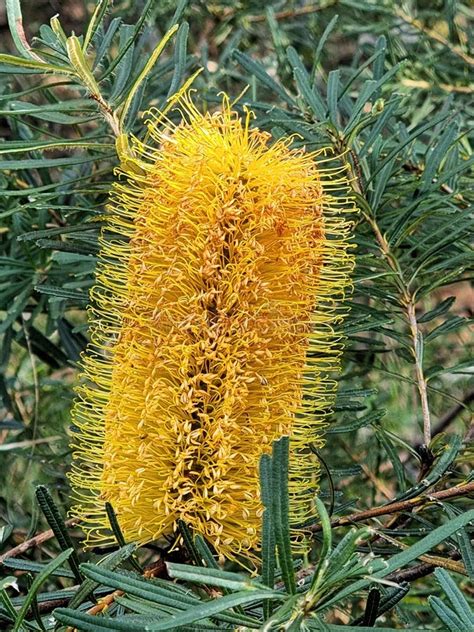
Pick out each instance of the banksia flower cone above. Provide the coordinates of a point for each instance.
(214, 320)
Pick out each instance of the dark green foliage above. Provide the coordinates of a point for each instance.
(388, 88)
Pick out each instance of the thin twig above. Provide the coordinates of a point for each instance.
(420, 376)
(105, 602)
(34, 541)
(409, 302)
(293, 13)
(397, 507)
(453, 412)
(47, 606)
(450, 416)
(417, 571)
(434, 35)
(436, 560)
(107, 112)
(447, 87)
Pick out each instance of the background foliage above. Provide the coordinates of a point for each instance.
(389, 86)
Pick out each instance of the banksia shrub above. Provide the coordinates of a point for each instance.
(214, 330)
(215, 282)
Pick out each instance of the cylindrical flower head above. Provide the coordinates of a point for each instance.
(213, 332)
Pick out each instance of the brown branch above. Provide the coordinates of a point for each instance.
(445, 562)
(396, 507)
(453, 412)
(418, 571)
(34, 541)
(47, 606)
(426, 85)
(413, 573)
(293, 13)
(434, 35)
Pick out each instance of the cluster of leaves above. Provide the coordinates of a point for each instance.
(397, 109)
(281, 598)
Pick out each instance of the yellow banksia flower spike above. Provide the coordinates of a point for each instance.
(215, 324)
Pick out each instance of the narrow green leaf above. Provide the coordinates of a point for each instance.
(79, 63)
(324, 554)
(381, 122)
(181, 5)
(124, 69)
(450, 325)
(138, 27)
(391, 599)
(268, 533)
(346, 548)
(109, 562)
(50, 163)
(58, 30)
(135, 106)
(5, 600)
(447, 616)
(61, 230)
(361, 422)
(212, 577)
(36, 585)
(418, 131)
(155, 591)
(35, 567)
(53, 116)
(106, 42)
(34, 609)
(55, 521)
(81, 247)
(189, 542)
(321, 43)
(368, 89)
(362, 628)
(333, 95)
(280, 510)
(180, 54)
(139, 587)
(31, 64)
(92, 623)
(392, 454)
(21, 146)
(62, 293)
(261, 74)
(437, 311)
(94, 22)
(467, 552)
(205, 552)
(310, 95)
(15, 24)
(145, 72)
(437, 154)
(19, 303)
(379, 62)
(398, 561)
(115, 527)
(213, 607)
(456, 598)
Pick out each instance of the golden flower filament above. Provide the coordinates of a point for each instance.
(214, 329)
